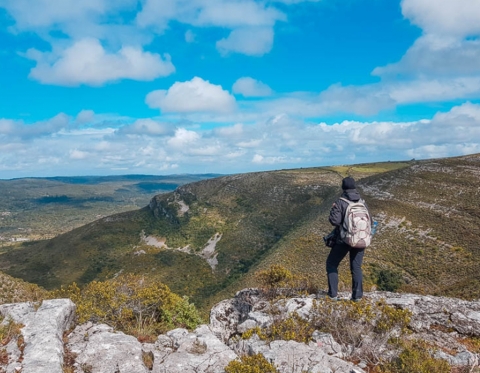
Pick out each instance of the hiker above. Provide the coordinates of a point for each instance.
(341, 249)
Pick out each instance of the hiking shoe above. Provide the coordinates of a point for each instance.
(355, 299)
(333, 299)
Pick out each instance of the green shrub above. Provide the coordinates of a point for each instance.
(275, 276)
(130, 303)
(416, 358)
(389, 280)
(277, 280)
(292, 328)
(351, 322)
(9, 330)
(251, 364)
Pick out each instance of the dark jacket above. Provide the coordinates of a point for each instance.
(337, 213)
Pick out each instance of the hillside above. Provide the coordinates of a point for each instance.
(13, 290)
(42, 208)
(429, 224)
(207, 238)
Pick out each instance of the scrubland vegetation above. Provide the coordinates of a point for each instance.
(42, 208)
(133, 304)
(363, 327)
(426, 241)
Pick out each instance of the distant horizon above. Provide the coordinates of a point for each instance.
(226, 174)
(233, 86)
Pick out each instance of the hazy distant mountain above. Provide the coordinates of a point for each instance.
(40, 208)
(206, 238)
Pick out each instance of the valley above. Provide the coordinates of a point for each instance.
(429, 224)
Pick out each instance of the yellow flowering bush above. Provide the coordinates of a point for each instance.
(292, 328)
(279, 281)
(251, 364)
(132, 304)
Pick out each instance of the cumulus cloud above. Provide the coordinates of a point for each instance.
(230, 132)
(442, 64)
(85, 116)
(252, 41)
(444, 17)
(86, 36)
(87, 62)
(202, 13)
(250, 87)
(146, 127)
(196, 95)
(183, 138)
(19, 130)
(265, 144)
(434, 90)
(189, 36)
(432, 55)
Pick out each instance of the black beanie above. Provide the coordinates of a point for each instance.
(348, 183)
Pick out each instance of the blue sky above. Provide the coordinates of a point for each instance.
(104, 87)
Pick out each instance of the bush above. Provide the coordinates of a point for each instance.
(132, 304)
(365, 328)
(388, 280)
(416, 358)
(277, 280)
(251, 364)
(292, 328)
(9, 330)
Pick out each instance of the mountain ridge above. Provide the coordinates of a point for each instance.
(279, 217)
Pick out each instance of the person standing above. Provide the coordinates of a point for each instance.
(341, 249)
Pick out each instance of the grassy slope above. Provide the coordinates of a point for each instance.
(254, 212)
(41, 208)
(428, 231)
(13, 290)
(429, 219)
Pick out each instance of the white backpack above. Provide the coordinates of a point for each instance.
(357, 225)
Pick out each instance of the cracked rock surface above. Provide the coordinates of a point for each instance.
(96, 348)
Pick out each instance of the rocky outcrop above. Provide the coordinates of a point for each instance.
(42, 332)
(443, 322)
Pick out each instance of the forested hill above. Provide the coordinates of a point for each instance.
(206, 239)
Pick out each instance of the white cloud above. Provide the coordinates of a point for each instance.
(232, 131)
(189, 36)
(250, 87)
(196, 95)
(442, 64)
(363, 100)
(444, 17)
(146, 127)
(85, 116)
(434, 90)
(54, 147)
(45, 13)
(252, 41)
(436, 56)
(78, 154)
(183, 138)
(87, 62)
(7, 127)
(203, 13)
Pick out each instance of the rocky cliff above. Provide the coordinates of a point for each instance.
(47, 341)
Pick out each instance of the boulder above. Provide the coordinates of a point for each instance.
(42, 333)
(99, 349)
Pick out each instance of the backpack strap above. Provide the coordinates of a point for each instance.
(350, 202)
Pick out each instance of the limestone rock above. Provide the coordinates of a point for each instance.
(100, 349)
(199, 351)
(294, 357)
(42, 333)
(445, 323)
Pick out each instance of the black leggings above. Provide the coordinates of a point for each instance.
(338, 252)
